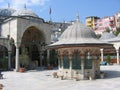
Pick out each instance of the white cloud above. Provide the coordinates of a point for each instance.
(20, 3)
(1, 1)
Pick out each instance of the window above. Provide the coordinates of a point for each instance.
(106, 23)
(65, 62)
(87, 62)
(100, 24)
(118, 20)
(76, 61)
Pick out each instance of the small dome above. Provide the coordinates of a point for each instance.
(78, 30)
(54, 39)
(115, 39)
(7, 11)
(106, 36)
(78, 34)
(24, 12)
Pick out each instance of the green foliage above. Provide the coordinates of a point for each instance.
(98, 35)
(107, 30)
(62, 31)
(4, 63)
(117, 31)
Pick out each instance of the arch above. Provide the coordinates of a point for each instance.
(3, 49)
(33, 40)
(33, 34)
(4, 42)
(3, 57)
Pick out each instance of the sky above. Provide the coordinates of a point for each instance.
(66, 10)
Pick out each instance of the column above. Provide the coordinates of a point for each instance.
(62, 62)
(9, 60)
(59, 62)
(101, 50)
(62, 67)
(48, 57)
(17, 59)
(117, 51)
(41, 58)
(82, 68)
(93, 69)
(70, 68)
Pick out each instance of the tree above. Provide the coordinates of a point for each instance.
(117, 31)
(98, 35)
(107, 29)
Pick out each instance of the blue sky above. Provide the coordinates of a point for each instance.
(66, 10)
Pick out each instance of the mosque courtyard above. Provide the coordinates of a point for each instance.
(43, 80)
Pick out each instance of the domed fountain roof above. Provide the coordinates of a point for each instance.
(106, 36)
(78, 34)
(24, 12)
(6, 12)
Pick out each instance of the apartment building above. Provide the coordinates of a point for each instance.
(103, 23)
(117, 19)
(90, 21)
(99, 25)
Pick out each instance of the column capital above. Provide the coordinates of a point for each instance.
(101, 49)
(17, 44)
(116, 46)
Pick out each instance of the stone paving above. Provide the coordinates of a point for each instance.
(43, 80)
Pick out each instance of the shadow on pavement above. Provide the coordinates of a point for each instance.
(111, 74)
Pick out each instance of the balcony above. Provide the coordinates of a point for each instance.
(111, 24)
(89, 24)
(111, 20)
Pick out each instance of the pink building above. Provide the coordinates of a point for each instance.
(117, 19)
(103, 23)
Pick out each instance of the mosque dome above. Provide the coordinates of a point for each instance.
(6, 12)
(24, 12)
(106, 36)
(115, 39)
(78, 34)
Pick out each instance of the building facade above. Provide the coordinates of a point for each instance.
(105, 23)
(23, 36)
(117, 19)
(91, 21)
(99, 25)
(57, 29)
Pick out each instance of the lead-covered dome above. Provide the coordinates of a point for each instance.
(77, 31)
(24, 12)
(6, 12)
(106, 36)
(116, 39)
(78, 34)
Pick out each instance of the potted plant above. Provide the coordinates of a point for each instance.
(22, 64)
(24, 60)
(22, 69)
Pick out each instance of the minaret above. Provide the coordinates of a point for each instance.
(25, 7)
(78, 18)
(8, 5)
